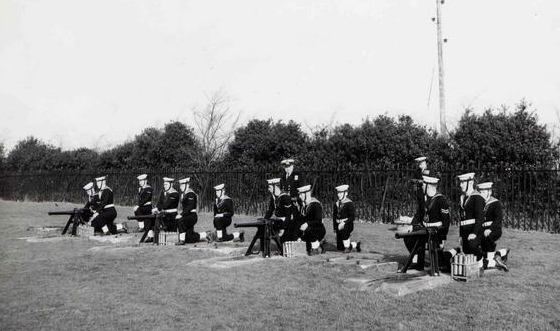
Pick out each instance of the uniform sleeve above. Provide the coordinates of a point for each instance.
(498, 217)
(104, 199)
(478, 214)
(228, 206)
(215, 209)
(315, 215)
(350, 212)
(445, 217)
(189, 203)
(271, 207)
(334, 213)
(145, 197)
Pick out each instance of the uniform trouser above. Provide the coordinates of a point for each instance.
(471, 246)
(186, 225)
(291, 231)
(312, 234)
(488, 244)
(105, 217)
(343, 234)
(221, 224)
(422, 241)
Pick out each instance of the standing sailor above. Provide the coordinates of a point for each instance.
(472, 216)
(280, 208)
(344, 213)
(145, 193)
(418, 181)
(492, 229)
(223, 212)
(188, 217)
(311, 220)
(167, 203)
(106, 212)
(291, 180)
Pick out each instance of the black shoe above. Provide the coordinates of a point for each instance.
(241, 236)
(348, 250)
(500, 264)
(180, 243)
(505, 258)
(418, 267)
(314, 251)
(358, 246)
(149, 240)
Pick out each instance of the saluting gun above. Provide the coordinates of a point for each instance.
(267, 230)
(422, 235)
(159, 224)
(78, 216)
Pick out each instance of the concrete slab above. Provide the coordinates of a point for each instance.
(34, 239)
(114, 239)
(372, 281)
(377, 268)
(399, 288)
(230, 262)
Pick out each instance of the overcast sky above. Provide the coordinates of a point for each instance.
(94, 73)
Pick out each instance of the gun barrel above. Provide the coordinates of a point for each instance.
(415, 233)
(64, 212)
(249, 224)
(141, 217)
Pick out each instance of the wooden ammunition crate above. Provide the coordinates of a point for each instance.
(84, 231)
(464, 269)
(295, 248)
(168, 238)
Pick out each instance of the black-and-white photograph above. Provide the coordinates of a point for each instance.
(279, 165)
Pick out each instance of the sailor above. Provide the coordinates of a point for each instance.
(471, 210)
(418, 182)
(104, 219)
(91, 205)
(291, 180)
(492, 229)
(188, 217)
(145, 193)
(310, 216)
(344, 213)
(167, 203)
(280, 205)
(223, 212)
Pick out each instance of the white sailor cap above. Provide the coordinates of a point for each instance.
(273, 181)
(304, 189)
(485, 186)
(287, 162)
(88, 186)
(430, 180)
(467, 176)
(219, 187)
(342, 188)
(97, 179)
(420, 159)
(184, 180)
(168, 179)
(142, 176)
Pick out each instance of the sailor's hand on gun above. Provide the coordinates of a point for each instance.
(94, 215)
(154, 210)
(304, 226)
(219, 215)
(442, 244)
(340, 226)
(471, 236)
(135, 208)
(487, 232)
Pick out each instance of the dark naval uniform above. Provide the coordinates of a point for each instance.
(472, 217)
(282, 209)
(291, 183)
(188, 216)
(493, 217)
(418, 181)
(106, 211)
(344, 209)
(223, 206)
(312, 214)
(144, 201)
(168, 203)
(90, 207)
(435, 215)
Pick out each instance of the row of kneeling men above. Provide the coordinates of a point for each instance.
(298, 216)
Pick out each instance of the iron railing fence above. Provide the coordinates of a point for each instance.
(530, 196)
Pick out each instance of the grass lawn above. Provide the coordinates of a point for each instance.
(67, 285)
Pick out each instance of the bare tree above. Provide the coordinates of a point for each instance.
(215, 125)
